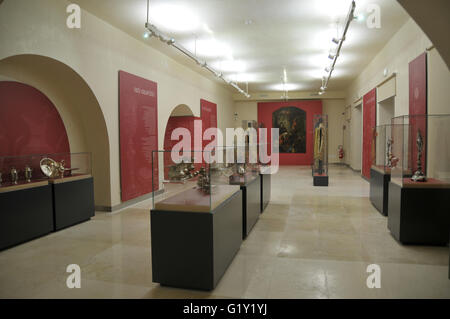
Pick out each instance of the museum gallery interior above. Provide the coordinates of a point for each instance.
(224, 149)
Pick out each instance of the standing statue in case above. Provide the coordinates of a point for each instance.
(419, 176)
(319, 147)
(389, 155)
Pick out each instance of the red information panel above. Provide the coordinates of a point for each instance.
(138, 113)
(369, 125)
(273, 112)
(417, 106)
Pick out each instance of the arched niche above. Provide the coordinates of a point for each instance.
(181, 116)
(77, 106)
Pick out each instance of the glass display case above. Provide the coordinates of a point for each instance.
(244, 163)
(382, 154)
(27, 169)
(421, 151)
(196, 181)
(320, 161)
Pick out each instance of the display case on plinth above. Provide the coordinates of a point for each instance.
(246, 175)
(25, 200)
(43, 193)
(419, 191)
(265, 176)
(380, 172)
(320, 161)
(70, 175)
(196, 220)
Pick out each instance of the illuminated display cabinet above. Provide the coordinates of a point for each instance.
(196, 219)
(320, 160)
(419, 190)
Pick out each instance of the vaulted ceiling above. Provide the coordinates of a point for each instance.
(254, 41)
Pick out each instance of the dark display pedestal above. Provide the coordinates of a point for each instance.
(25, 214)
(266, 184)
(419, 215)
(251, 205)
(320, 180)
(379, 190)
(73, 201)
(194, 249)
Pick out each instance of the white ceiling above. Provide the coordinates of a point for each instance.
(255, 40)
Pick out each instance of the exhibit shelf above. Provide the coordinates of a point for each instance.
(26, 213)
(419, 215)
(379, 189)
(73, 200)
(21, 185)
(266, 186)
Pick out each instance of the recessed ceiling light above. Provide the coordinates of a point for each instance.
(248, 21)
(173, 17)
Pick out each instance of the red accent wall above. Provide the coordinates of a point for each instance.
(417, 106)
(311, 107)
(369, 124)
(173, 123)
(29, 124)
(208, 114)
(138, 116)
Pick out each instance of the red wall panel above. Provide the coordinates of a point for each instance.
(29, 124)
(174, 122)
(138, 113)
(311, 107)
(369, 124)
(208, 114)
(417, 106)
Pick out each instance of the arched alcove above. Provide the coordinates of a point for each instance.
(181, 116)
(77, 106)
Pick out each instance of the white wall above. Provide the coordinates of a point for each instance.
(408, 43)
(97, 52)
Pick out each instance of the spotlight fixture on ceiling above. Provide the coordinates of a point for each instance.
(335, 41)
(339, 41)
(153, 31)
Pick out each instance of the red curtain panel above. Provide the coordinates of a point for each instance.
(417, 107)
(270, 112)
(369, 124)
(138, 116)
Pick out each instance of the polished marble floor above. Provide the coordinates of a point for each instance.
(311, 242)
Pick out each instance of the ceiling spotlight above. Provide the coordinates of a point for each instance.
(335, 41)
(321, 92)
(146, 35)
(323, 88)
(327, 69)
(359, 17)
(331, 56)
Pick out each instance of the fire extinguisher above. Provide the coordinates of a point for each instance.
(341, 152)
